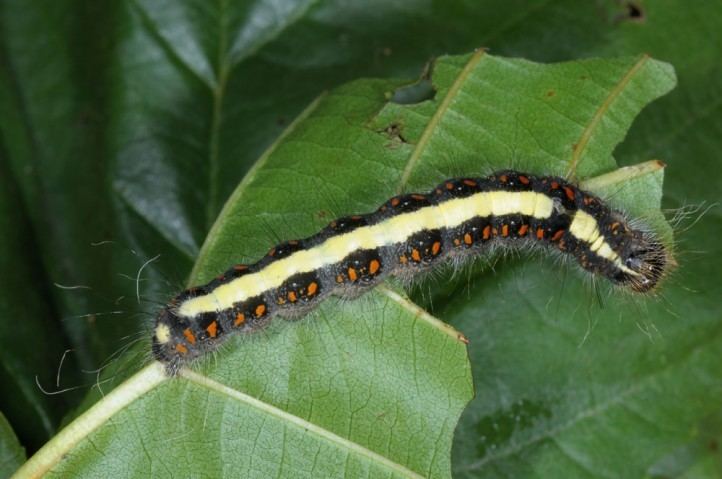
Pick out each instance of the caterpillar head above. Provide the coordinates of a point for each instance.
(170, 347)
(643, 259)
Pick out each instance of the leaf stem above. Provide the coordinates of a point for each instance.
(85, 424)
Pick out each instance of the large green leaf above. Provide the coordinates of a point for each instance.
(348, 391)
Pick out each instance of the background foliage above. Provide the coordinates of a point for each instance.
(99, 101)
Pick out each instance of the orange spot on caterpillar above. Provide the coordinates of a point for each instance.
(487, 232)
(395, 201)
(240, 319)
(212, 329)
(352, 275)
(503, 178)
(505, 230)
(523, 229)
(558, 235)
(374, 266)
(438, 191)
(293, 242)
(555, 185)
(272, 252)
(569, 192)
(260, 310)
(312, 288)
(403, 259)
(356, 217)
(418, 197)
(189, 335)
(540, 233)
(449, 185)
(220, 277)
(240, 267)
(471, 183)
(292, 296)
(415, 255)
(468, 239)
(457, 241)
(280, 300)
(524, 179)
(339, 278)
(588, 200)
(435, 248)
(494, 231)
(181, 349)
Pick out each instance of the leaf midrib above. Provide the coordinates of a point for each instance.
(147, 380)
(218, 93)
(307, 426)
(55, 450)
(215, 230)
(225, 67)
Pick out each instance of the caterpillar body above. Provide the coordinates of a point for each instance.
(462, 217)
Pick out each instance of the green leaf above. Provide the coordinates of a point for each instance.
(698, 458)
(371, 387)
(12, 454)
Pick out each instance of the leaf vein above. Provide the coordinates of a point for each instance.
(586, 136)
(290, 419)
(437, 116)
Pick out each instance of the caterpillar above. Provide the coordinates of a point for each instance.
(460, 218)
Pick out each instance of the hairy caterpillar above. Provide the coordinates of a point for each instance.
(461, 217)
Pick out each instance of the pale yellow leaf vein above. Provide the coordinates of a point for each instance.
(437, 116)
(581, 145)
(302, 424)
(420, 313)
(100, 413)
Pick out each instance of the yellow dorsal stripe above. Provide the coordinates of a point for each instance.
(396, 229)
(585, 228)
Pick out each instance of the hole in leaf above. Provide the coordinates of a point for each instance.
(394, 132)
(634, 12)
(629, 11)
